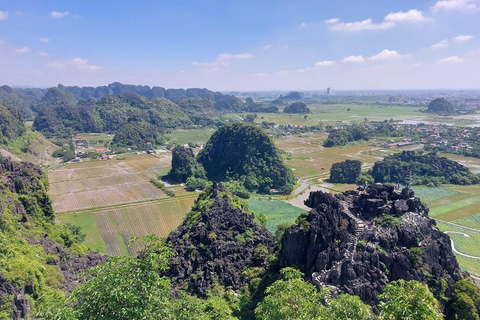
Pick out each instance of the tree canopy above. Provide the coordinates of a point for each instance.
(244, 152)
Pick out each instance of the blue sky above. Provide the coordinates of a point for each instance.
(242, 45)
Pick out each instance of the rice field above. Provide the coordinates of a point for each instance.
(307, 157)
(277, 211)
(93, 184)
(117, 226)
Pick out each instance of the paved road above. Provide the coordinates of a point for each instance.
(453, 245)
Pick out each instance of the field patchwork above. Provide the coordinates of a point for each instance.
(277, 211)
(118, 226)
(101, 183)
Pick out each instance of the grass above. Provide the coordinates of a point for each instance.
(185, 136)
(277, 211)
(89, 226)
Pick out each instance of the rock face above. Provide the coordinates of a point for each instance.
(359, 241)
(217, 242)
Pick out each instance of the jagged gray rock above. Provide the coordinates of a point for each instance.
(359, 241)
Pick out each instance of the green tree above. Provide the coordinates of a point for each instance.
(183, 164)
(291, 298)
(466, 300)
(348, 307)
(127, 287)
(408, 300)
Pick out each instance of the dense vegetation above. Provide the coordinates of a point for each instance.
(244, 152)
(346, 171)
(11, 123)
(23, 99)
(107, 114)
(441, 105)
(183, 164)
(426, 169)
(137, 134)
(297, 107)
(31, 246)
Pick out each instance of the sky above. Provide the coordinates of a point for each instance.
(243, 45)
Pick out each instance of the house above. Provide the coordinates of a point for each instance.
(100, 150)
(454, 148)
(80, 142)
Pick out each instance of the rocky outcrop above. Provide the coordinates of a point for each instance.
(217, 242)
(359, 241)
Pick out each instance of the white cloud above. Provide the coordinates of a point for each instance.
(44, 40)
(22, 50)
(441, 44)
(331, 21)
(223, 59)
(354, 59)
(58, 14)
(462, 38)
(454, 5)
(303, 24)
(409, 16)
(303, 70)
(267, 47)
(3, 15)
(366, 24)
(82, 64)
(387, 55)
(43, 54)
(325, 63)
(19, 13)
(228, 56)
(451, 60)
(260, 74)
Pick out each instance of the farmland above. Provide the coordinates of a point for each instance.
(277, 211)
(100, 183)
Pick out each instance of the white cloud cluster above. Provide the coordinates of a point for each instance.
(325, 63)
(354, 59)
(82, 64)
(455, 5)
(390, 20)
(58, 14)
(366, 24)
(223, 59)
(303, 24)
(387, 55)
(462, 38)
(451, 60)
(412, 15)
(458, 39)
(3, 15)
(44, 40)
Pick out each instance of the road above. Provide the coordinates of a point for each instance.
(453, 245)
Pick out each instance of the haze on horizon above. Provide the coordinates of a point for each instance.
(247, 45)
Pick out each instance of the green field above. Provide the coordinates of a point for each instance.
(109, 230)
(277, 211)
(88, 224)
(185, 136)
(429, 195)
(465, 245)
(329, 113)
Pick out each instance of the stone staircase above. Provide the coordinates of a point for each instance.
(320, 278)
